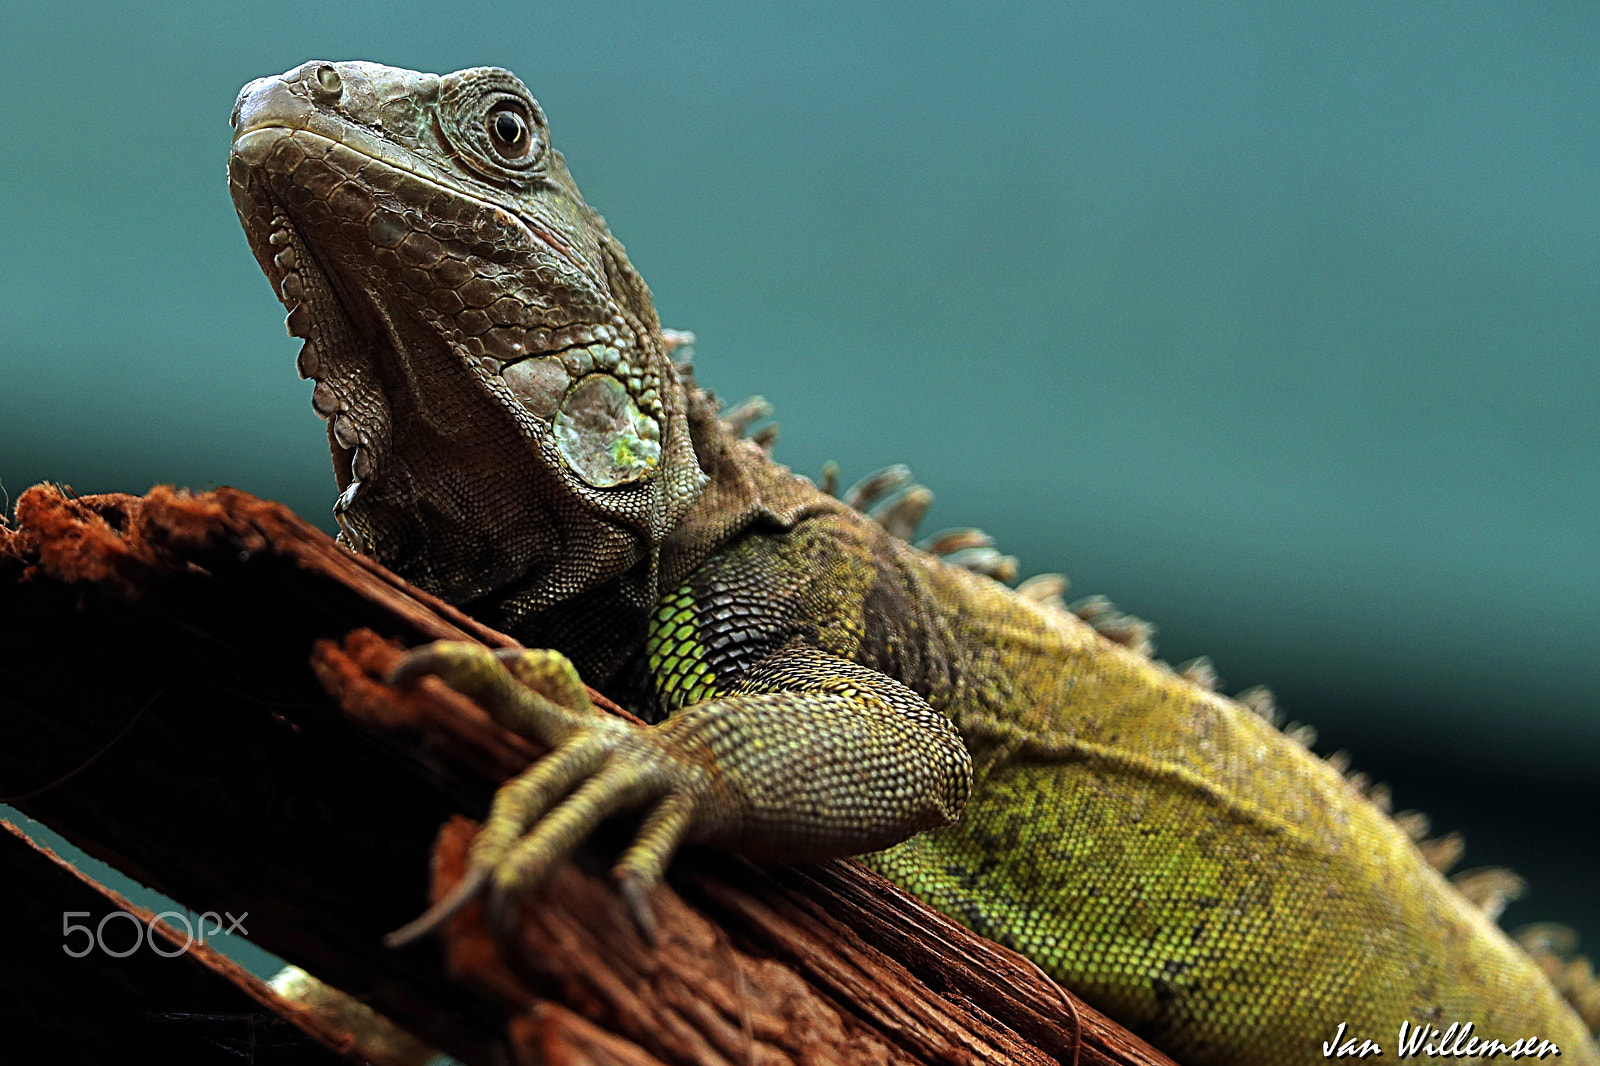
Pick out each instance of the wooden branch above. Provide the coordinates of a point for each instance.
(163, 712)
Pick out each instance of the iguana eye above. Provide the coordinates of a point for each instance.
(510, 133)
(491, 125)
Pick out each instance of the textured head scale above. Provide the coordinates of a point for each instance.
(460, 303)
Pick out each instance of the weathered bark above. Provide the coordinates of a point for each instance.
(162, 712)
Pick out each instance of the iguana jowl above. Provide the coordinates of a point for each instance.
(508, 430)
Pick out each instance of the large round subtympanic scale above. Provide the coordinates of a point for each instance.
(603, 436)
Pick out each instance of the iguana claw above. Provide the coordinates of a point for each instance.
(598, 766)
(459, 896)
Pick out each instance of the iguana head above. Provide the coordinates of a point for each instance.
(503, 416)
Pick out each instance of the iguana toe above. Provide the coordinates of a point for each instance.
(599, 766)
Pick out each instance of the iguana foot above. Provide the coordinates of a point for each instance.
(598, 765)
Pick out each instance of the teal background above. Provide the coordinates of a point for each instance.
(1276, 323)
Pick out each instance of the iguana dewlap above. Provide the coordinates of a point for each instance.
(508, 430)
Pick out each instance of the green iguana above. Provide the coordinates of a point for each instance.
(509, 431)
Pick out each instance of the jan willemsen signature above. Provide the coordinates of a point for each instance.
(1429, 1041)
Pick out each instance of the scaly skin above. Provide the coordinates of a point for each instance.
(508, 431)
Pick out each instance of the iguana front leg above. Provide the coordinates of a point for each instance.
(808, 756)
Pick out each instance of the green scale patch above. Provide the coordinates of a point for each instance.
(677, 659)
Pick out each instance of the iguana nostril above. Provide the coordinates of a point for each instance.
(329, 83)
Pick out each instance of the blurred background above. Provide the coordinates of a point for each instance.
(1277, 324)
